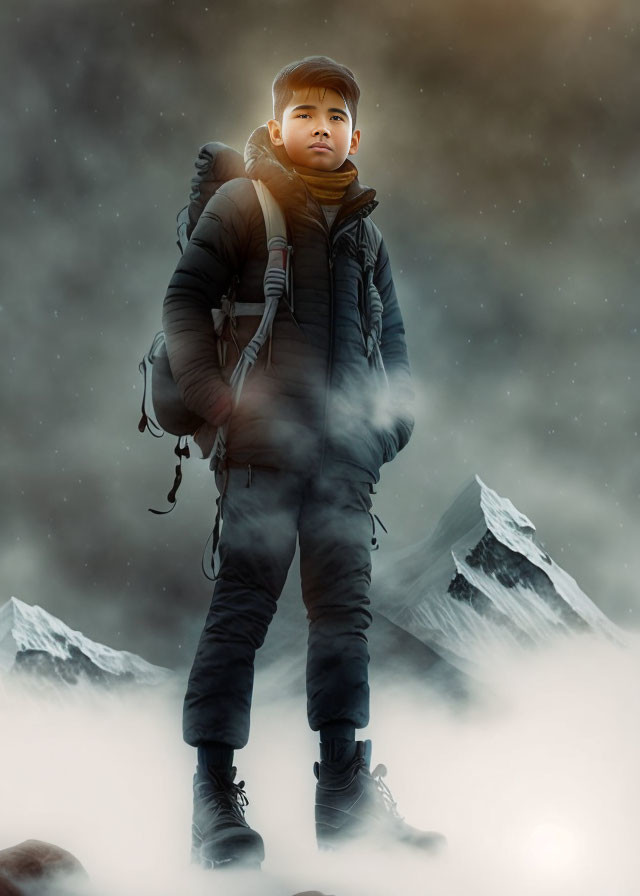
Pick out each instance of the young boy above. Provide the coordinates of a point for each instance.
(326, 404)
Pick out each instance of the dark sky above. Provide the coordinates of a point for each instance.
(502, 139)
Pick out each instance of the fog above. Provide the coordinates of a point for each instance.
(535, 785)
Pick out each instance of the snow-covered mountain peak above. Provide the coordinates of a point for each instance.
(31, 639)
(502, 517)
(482, 579)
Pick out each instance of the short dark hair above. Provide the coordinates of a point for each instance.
(315, 71)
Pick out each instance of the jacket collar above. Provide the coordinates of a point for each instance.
(270, 164)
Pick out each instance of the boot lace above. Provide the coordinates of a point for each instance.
(389, 803)
(229, 799)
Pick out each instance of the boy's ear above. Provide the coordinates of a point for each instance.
(275, 132)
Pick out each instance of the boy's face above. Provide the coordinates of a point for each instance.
(315, 115)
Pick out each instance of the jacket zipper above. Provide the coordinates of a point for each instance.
(328, 381)
(330, 243)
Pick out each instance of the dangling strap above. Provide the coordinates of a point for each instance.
(374, 540)
(180, 452)
(215, 533)
(144, 367)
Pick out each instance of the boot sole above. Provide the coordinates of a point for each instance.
(238, 864)
(239, 851)
(357, 832)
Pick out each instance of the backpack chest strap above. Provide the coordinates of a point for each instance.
(235, 309)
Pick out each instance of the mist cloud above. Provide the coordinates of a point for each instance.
(535, 785)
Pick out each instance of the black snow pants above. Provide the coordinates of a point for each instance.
(263, 511)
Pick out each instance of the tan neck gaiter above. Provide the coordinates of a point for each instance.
(328, 187)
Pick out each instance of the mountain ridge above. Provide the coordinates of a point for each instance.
(481, 579)
(33, 640)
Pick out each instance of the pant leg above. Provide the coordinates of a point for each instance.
(335, 568)
(257, 544)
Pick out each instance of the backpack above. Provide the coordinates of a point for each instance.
(171, 415)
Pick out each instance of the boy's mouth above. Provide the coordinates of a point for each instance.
(323, 146)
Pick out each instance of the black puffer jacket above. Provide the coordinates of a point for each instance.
(315, 402)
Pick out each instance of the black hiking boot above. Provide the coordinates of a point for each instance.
(354, 804)
(220, 836)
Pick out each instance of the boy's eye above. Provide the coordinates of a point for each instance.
(306, 114)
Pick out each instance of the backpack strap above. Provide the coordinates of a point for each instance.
(274, 221)
(182, 219)
(275, 287)
(231, 308)
(369, 242)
